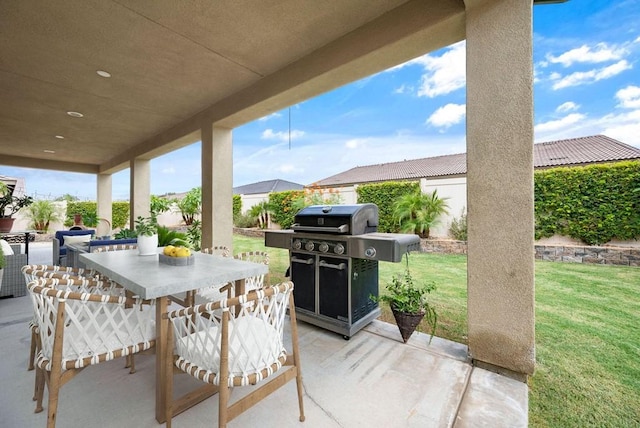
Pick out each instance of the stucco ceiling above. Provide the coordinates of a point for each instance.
(176, 65)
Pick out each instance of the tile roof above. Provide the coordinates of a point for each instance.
(266, 187)
(573, 151)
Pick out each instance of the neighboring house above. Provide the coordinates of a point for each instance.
(254, 193)
(447, 173)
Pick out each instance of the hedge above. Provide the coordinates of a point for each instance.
(384, 195)
(237, 205)
(119, 212)
(280, 205)
(594, 204)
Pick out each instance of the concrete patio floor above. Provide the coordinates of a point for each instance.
(372, 380)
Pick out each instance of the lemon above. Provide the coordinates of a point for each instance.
(168, 250)
(183, 252)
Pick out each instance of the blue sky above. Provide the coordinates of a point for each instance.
(587, 82)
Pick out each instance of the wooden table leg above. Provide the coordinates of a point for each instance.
(162, 326)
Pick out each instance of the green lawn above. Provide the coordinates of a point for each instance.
(587, 333)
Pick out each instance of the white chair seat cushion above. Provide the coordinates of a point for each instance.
(254, 345)
(101, 336)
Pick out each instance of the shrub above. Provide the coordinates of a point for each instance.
(282, 211)
(384, 195)
(245, 220)
(458, 228)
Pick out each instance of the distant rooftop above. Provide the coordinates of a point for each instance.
(266, 187)
(570, 152)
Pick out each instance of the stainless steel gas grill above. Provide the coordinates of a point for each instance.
(334, 252)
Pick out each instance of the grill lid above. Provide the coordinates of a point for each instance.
(354, 219)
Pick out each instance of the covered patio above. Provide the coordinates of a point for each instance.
(371, 380)
(195, 71)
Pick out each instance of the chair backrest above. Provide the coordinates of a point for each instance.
(93, 327)
(218, 250)
(98, 285)
(37, 271)
(249, 335)
(254, 282)
(114, 247)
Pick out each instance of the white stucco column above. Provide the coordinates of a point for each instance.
(217, 187)
(105, 198)
(140, 190)
(500, 184)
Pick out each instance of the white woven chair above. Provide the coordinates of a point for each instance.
(114, 247)
(78, 329)
(33, 272)
(217, 251)
(188, 299)
(221, 291)
(244, 347)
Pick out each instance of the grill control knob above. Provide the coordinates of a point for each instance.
(338, 249)
(324, 247)
(297, 244)
(370, 252)
(308, 246)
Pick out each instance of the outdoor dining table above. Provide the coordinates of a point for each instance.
(146, 277)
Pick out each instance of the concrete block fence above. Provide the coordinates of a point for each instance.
(624, 256)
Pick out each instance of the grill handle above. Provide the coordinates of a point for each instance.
(304, 261)
(341, 266)
(340, 229)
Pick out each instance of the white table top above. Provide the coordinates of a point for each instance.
(146, 277)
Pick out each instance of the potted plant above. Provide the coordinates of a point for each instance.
(147, 232)
(9, 205)
(409, 303)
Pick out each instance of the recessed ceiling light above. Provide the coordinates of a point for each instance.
(103, 73)
(49, 151)
(60, 137)
(75, 114)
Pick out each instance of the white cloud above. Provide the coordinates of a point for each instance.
(555, 125)
(629, 97)
(448, 115)
(403, 89)
(443, 74)
(355, 143)
(169, 170)
(568, 106)
(585, 54)
(591, 76)
(270, 116)
(269, 134)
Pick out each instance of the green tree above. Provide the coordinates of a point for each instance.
(43, 212)
(159, 205)
(190, 205)
(417, 212)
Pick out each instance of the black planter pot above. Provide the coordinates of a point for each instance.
(407, 322)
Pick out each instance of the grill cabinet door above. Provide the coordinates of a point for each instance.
(303, 275)
(333, 287)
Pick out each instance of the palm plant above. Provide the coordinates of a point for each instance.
(418, 212)
(42, 213)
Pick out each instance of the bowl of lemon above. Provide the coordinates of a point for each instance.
(176, 256)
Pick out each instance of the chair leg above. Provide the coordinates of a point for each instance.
(39, 389)
(32, 350)
(54, 390)
(296, 354)
(223, 397)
